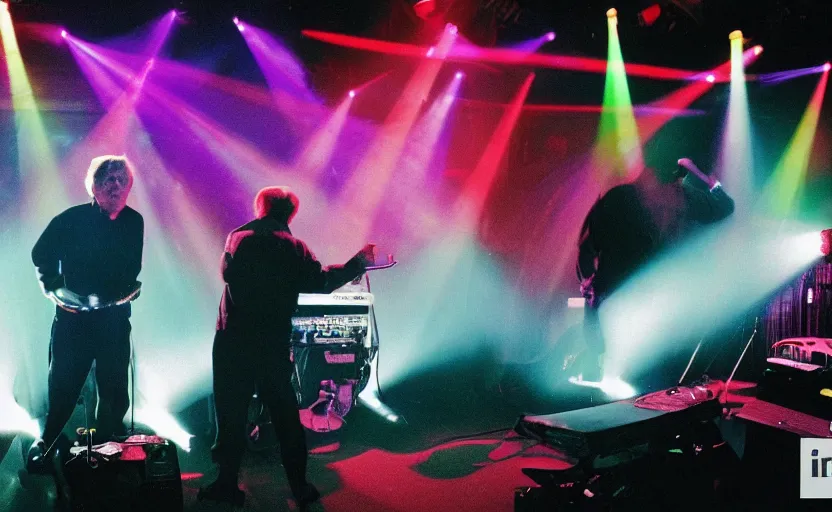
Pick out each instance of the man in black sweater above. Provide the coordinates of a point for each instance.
(629, 226)
(265, 268)
(92, 251)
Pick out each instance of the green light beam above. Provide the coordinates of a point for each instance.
(786, 184)
(618, 145)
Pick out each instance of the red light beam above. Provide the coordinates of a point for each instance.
(479, 183)
(499, 56)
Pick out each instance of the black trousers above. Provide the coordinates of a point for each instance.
(77, 340)
(593, 337)
(242, 360)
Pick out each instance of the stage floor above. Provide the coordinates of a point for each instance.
(455, 450)
(424, 463)
(476, 474)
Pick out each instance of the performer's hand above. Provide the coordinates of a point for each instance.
(588, 291)
(67, 295)
(64, 296)
(49, 285)
(367, 255)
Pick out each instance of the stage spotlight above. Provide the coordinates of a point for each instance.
(758, 50)
(827, 66)
(459, 75)
(453, 29)
(737, 34)
(431, 51)
(64, 34)
(612, 13)
(806, 245)
(236, 20)
(352, 94)
(710, 78)
(648, 16)
(241, 27)
(550, 36)
(424, 8)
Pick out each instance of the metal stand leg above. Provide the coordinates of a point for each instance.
(736, 366)
(698, 346)
(212, 411)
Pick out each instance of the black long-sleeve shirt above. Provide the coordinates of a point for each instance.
(84, 250)
(626, 228)
(265, 268)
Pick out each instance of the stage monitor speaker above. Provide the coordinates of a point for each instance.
(806, 391)
(139, 474)
(612, 428)
(695, 474)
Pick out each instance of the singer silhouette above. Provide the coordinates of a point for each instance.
(631, 224)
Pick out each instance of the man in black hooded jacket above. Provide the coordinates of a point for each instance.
(629, 226)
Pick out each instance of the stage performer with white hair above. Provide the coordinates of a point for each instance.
(88, 255)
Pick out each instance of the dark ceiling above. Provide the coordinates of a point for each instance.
(688, 33)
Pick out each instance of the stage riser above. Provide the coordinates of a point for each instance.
(770, 473)
(660, 481)
(612, 428)
(797, 390)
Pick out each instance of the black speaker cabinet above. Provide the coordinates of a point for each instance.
(139, 474)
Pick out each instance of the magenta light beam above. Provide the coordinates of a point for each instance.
(782, 76)
(532, 45)
(281, 69)
(159, 35)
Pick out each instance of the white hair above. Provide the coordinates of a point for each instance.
(103, 164)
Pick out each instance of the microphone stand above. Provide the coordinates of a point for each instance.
(688, 164)
(736, 366)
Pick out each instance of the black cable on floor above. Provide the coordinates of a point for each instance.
(133, 386)
(474, 435)
(378, 350)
